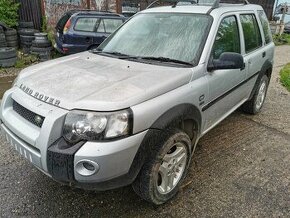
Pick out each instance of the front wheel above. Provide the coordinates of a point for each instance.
(255, 105)
(161, 176)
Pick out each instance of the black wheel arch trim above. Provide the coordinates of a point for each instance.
(267, 69)
(174, 117)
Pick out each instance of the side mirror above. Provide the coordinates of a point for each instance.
(227, 60)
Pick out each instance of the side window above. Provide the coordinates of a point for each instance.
(86, 24)
(252, 35)
(266, 26)
(112, 24)
(227, 38)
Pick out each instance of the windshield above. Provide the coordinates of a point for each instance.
(168, 35)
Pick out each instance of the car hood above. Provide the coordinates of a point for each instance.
(95, 82)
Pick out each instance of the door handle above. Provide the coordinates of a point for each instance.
(264, 54)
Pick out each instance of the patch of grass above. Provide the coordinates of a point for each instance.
(25, 60)
(283, 39)
(285, 76)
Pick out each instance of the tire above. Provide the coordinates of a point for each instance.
(40, 35)
(27, 44)
(26, 50)
(11, 38)
(2, 36)
(23, 24)
(150, 184)
(8, 62)
(12, 43)
(26, 38)
(254, 105)
(11, 32)
(41, 50)
(27, 32)
(7, 53)
(43, 44)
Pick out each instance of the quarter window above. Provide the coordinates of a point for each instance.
(251, 31)
(266, 27)
(227, 39)
(112, 24)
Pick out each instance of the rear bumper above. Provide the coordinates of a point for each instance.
(114, 161)
(69, 48)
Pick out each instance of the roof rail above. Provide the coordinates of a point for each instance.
(214, 4)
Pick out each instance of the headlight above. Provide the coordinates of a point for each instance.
(94, 126)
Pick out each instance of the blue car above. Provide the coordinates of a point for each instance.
(78, 31)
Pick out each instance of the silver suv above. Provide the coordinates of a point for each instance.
(133, 110)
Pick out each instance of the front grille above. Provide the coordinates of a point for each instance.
(32, 117)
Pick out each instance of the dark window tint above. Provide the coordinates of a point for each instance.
(227, 39)
(266, 26)
(112, 24)
(87, 24)
(251, 31)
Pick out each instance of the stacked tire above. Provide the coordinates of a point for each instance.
(25, 25)
(3, 42)
(26, 34)
(41, 46)
(11, 38)
(8, 57)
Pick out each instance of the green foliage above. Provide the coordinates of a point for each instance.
(285, 76)
(25, 60)
(283, 39)
(44, 24)
(9, 12)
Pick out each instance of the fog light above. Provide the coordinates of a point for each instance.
(87, 167)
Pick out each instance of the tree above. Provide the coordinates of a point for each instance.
(9, 12)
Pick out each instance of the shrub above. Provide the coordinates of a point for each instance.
(285, 76)
(283, 39)
(9, 12)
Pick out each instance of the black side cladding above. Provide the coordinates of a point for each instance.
(60, 160)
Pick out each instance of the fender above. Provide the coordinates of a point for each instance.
(266, 69)
(174, 117)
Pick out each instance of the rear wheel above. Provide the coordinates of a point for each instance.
(161, 176)
(255, 105)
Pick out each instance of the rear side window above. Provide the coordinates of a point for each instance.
(112, 24)
(87, 24)
(227, 38)
(266, 26)
(252, 35)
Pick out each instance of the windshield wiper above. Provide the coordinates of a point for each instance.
(168, 60)
(114, 53)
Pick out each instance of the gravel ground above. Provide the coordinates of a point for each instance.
(9, 71)
(241, 169)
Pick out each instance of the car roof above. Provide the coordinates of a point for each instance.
(204, 9)
(96, 13)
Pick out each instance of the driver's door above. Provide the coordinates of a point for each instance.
(224, 84)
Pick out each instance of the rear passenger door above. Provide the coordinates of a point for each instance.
(254, 53)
